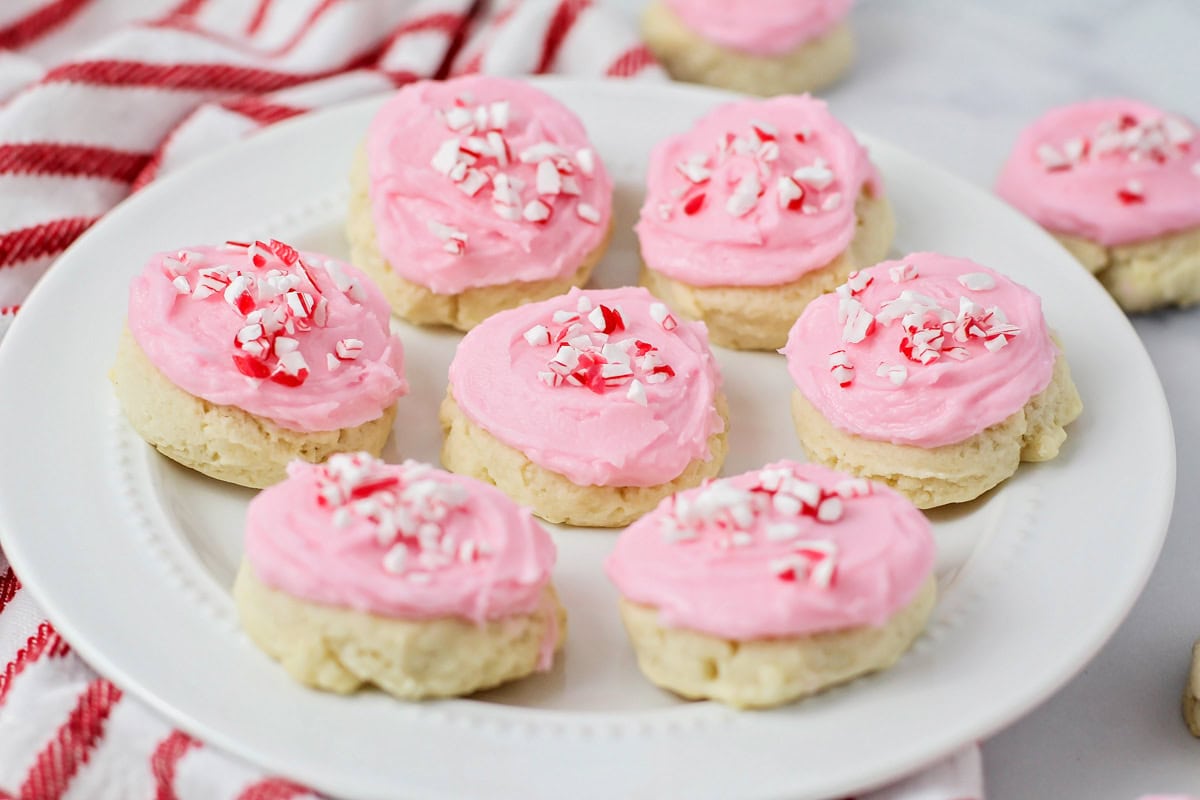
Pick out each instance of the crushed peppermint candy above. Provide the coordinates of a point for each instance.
(407, 507)
(755, 159)
(776, 503)
(277, 299)
(1158, 139)
(589, 351)
(931, 331)
(479, 154)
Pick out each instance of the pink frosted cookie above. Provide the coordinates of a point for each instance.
(761, 48)
(932, 374)
(590, 407)
(238, 359)
(420, 582)
(475, 195)
(771, 585)
(1118, 183)
(758, 209)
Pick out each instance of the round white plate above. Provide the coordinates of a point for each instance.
(132, 556)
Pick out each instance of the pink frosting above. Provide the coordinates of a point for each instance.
(761, 28)
(629, 408)
(789, 550)
(758, 193)
(1112, 171)
(906, 352)
(405, 540)
(190, 310)
(481, 181)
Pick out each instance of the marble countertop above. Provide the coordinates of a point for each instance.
(954, 81)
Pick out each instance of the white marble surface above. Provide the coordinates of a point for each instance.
(954, 81)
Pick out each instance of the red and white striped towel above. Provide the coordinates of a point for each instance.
(99, 97)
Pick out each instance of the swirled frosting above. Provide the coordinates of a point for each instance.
(764, 29)
(758, 193)
(1112, 171)
(297, 338)
(480, 181)
(604, 387)
(789, 550)
(928, 351)
(397, 540)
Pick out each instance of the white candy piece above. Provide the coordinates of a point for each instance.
(817, 175)
(588, 213)
(538, 335)
(536, 211)
(586, 160)
(744, 197)
(637, 392)
(549, 181)
(788, 191)
(446, 156)
(896, 373)
(977, 281)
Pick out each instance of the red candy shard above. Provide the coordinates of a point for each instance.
(612, 320)
(1127, 121)
(663, 369)
(250, 367)
(244, 303)
(693, 205)
(1130, 198)
(284, 379)
(641, 348)
(368, 489)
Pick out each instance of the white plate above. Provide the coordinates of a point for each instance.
(132, 556)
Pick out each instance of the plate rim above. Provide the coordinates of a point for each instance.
(95, 656)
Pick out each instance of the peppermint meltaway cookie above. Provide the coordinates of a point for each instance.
(758, 209)
(589, 408)
(760, 48)
(476, 195)
(1118, 183)
(240, 358)
(769, 586)
(420, 582)
(933, 375)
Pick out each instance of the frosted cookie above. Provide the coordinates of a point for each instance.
(933, 375)
(590, 408)
(1118, 183)
(475, 195)
(420, 582)
(758, 48)
(761, 207)
(238, 359)
(769, 586)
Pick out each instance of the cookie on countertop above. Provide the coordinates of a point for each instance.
(775, 584)
(589, 408)
(474, 195)
(931, 374)
(759, 208)
(240, 358)
(1118, 183)
(763, 48)
(401, 576)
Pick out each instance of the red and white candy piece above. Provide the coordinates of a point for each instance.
(840, 368)
(663, 316)
(902, 272)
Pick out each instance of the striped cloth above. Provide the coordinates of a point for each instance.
(100, 97)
